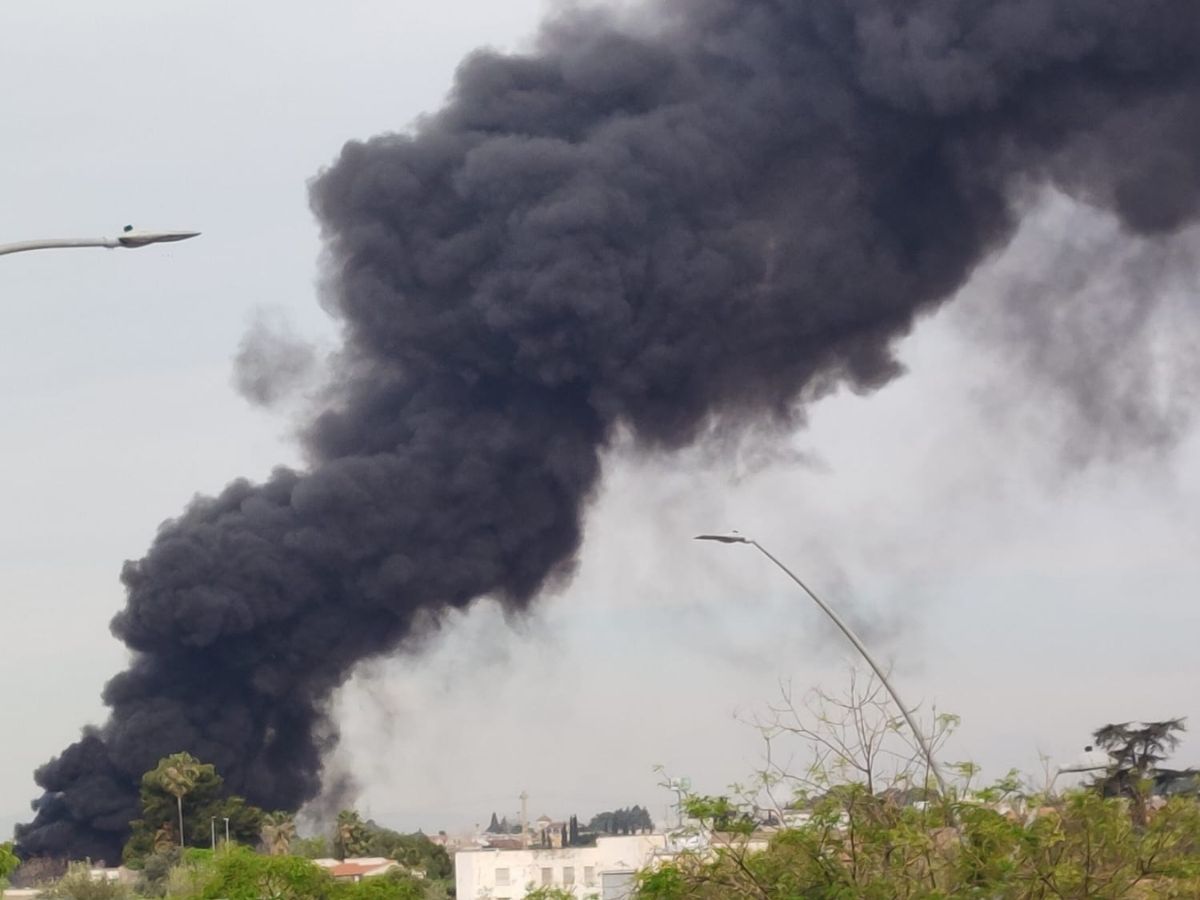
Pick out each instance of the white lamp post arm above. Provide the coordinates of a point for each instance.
(130, 237)
(58, 243)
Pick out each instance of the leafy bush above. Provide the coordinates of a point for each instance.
(78, 884)
(860, 845)
(393, 886)
(8, 862)
(863, 822)
(237, 873)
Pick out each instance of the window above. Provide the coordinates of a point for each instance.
(568, 875)
(502, 878)
(589, 875)
(547, 876)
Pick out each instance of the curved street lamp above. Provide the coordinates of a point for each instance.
(130, 237)
(922, 741)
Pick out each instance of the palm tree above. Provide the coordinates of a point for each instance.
(278, 830)
(350, 834)
(164, 838)
(177, 774)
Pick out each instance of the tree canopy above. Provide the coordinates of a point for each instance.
(206, 806)
(237, 873)
(842, 827)
(633, 820)
(413, 851)
(1136, 750)
(8, 861)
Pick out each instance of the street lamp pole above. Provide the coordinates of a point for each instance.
(226, 830)
(213, 825)
(130, 237)
(922, 741)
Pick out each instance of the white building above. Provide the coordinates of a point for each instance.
(604, 871)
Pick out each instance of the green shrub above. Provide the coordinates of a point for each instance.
(78, 884)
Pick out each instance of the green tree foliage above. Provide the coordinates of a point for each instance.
(393, 886)
(238, 873)
(156, 867)
(622, 821)
(349, 834)
(178, 775)
(187, 879)
(316, 847)
(861, 845)
(862, 823)
(1136, 752)
(413, 851)
(78, 884)
(547, 892)
(175, 873)
(206, 800)
(8, 861)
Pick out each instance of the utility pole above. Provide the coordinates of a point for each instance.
(213, 823)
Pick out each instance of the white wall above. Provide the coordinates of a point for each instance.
(480, 873)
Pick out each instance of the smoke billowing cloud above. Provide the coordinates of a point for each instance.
(272, 363)
(693, 222)
(1097, 324)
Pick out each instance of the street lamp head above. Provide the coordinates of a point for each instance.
(732, 538)
(135, 237)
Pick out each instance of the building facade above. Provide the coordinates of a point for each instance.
(604, 871)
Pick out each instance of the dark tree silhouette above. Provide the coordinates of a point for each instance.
(632, 820)
(1135, 753)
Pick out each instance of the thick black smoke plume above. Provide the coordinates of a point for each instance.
(701, 216)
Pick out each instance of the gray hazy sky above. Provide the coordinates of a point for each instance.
(1021, 559)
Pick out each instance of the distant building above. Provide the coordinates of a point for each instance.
(605, 870)
(547, 832)
(505, 843)
(358, 868)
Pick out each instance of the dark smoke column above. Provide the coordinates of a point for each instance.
(708, 218)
